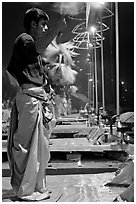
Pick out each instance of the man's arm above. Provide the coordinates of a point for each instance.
(42, 43)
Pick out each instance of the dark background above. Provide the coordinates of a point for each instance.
(12, 18)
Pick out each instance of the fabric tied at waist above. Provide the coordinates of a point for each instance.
(40, 94)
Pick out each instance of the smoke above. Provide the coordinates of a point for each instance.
(69, 8)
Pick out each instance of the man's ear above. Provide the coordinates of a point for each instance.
(33, 24)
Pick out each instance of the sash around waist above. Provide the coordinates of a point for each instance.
(27, 86)
(34, 91)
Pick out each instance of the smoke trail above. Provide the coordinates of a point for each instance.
(69, 8)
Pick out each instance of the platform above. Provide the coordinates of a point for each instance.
(70, 183)
(72, 188)
(82, 144)
(76, 180)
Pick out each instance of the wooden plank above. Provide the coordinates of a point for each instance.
(82, 144)
(71, 120)
(74, 128)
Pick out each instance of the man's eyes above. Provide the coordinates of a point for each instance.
(43, 24)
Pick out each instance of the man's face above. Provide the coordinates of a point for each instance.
(41, 28)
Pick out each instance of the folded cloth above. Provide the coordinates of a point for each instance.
(28, 145)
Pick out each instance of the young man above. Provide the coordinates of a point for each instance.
(28, 142)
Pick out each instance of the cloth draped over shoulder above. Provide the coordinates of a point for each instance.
(28, 144)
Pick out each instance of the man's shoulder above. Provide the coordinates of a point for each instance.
(24, 37)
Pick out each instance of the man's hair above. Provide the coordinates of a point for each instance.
(34, 14)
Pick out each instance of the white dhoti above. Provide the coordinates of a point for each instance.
(28, 145)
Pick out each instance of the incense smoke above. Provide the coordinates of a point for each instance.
(69, 8)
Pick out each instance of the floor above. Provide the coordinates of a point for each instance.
(73, 188)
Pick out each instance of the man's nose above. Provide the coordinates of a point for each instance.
(45, 27)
